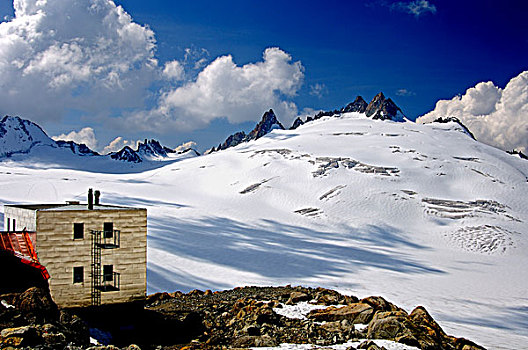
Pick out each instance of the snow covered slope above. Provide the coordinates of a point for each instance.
(420, 214)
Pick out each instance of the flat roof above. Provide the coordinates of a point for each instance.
(65, 207)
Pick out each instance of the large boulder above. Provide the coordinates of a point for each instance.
(37, 305)
(355, 313)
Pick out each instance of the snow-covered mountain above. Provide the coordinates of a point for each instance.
(20, 136)
(418, 213)
(24, 141)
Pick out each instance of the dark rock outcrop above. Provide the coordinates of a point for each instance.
(359, 105)
(31, 319)
(383, 109)
(455, 120)
(77, 148)
(233, 140)
(152, 148)
(297, 122)
(267, 123)
(518, 153)
(126, 154)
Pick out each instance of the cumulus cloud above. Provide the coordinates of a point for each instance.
(173, 71)
(118, 143)
(88, 55)
(225, 90)
(85, 135)
(415, 8)
(498, 117)
(185, 146)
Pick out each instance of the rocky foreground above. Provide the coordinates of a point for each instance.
(239, 318)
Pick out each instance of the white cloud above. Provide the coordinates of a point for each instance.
(498, 117)
(318, 90)
(415, 8)
(173, 71)
(405, 92)
(85, 135)
(118, 143)
(185, 146)
(225, 90)
(88, 55)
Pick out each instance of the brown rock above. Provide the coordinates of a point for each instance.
(355, 313)
(380, 304)
(388, 325)
(37, 305)
(254, 341)
(370, 345)
(296, 297)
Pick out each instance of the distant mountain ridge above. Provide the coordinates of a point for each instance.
(20, 136)
(380, 107)
(268, 122)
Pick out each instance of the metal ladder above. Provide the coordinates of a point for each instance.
(96, 268)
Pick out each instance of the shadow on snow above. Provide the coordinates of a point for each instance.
(276, 251)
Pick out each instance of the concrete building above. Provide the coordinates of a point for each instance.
(95, 254)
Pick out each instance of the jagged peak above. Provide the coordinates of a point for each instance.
(384, 109)
(268, 122)
(359, 105)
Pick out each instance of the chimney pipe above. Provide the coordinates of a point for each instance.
(97, 194)
(90, 199)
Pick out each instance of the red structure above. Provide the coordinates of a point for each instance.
(20, 244)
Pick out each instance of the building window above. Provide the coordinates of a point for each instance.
(108, 229)
(108, 271)
(78, 230)
(78, 274)
(14, 225)
(8, 224)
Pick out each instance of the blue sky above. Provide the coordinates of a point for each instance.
(416, 52)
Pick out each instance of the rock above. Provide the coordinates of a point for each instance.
(233, 140)
(380, 304)
(355, 313)
(296, 297)
(37, 305)
(387, 325)
(19, 336)
(267, 123)
(126, 154)
(133, 347)
(298, 122)
(455, 120)
(254, 341)
(370, 345)
(383, 109)
(157, 297)
(464, 344)
(359, 105)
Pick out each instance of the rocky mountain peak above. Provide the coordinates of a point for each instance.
(298, 122)
(359, 105)
(384, 109)
(267, 123)
(152, 148)
(126, 154)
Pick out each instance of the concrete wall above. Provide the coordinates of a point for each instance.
(60, 253)
(24, 218)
